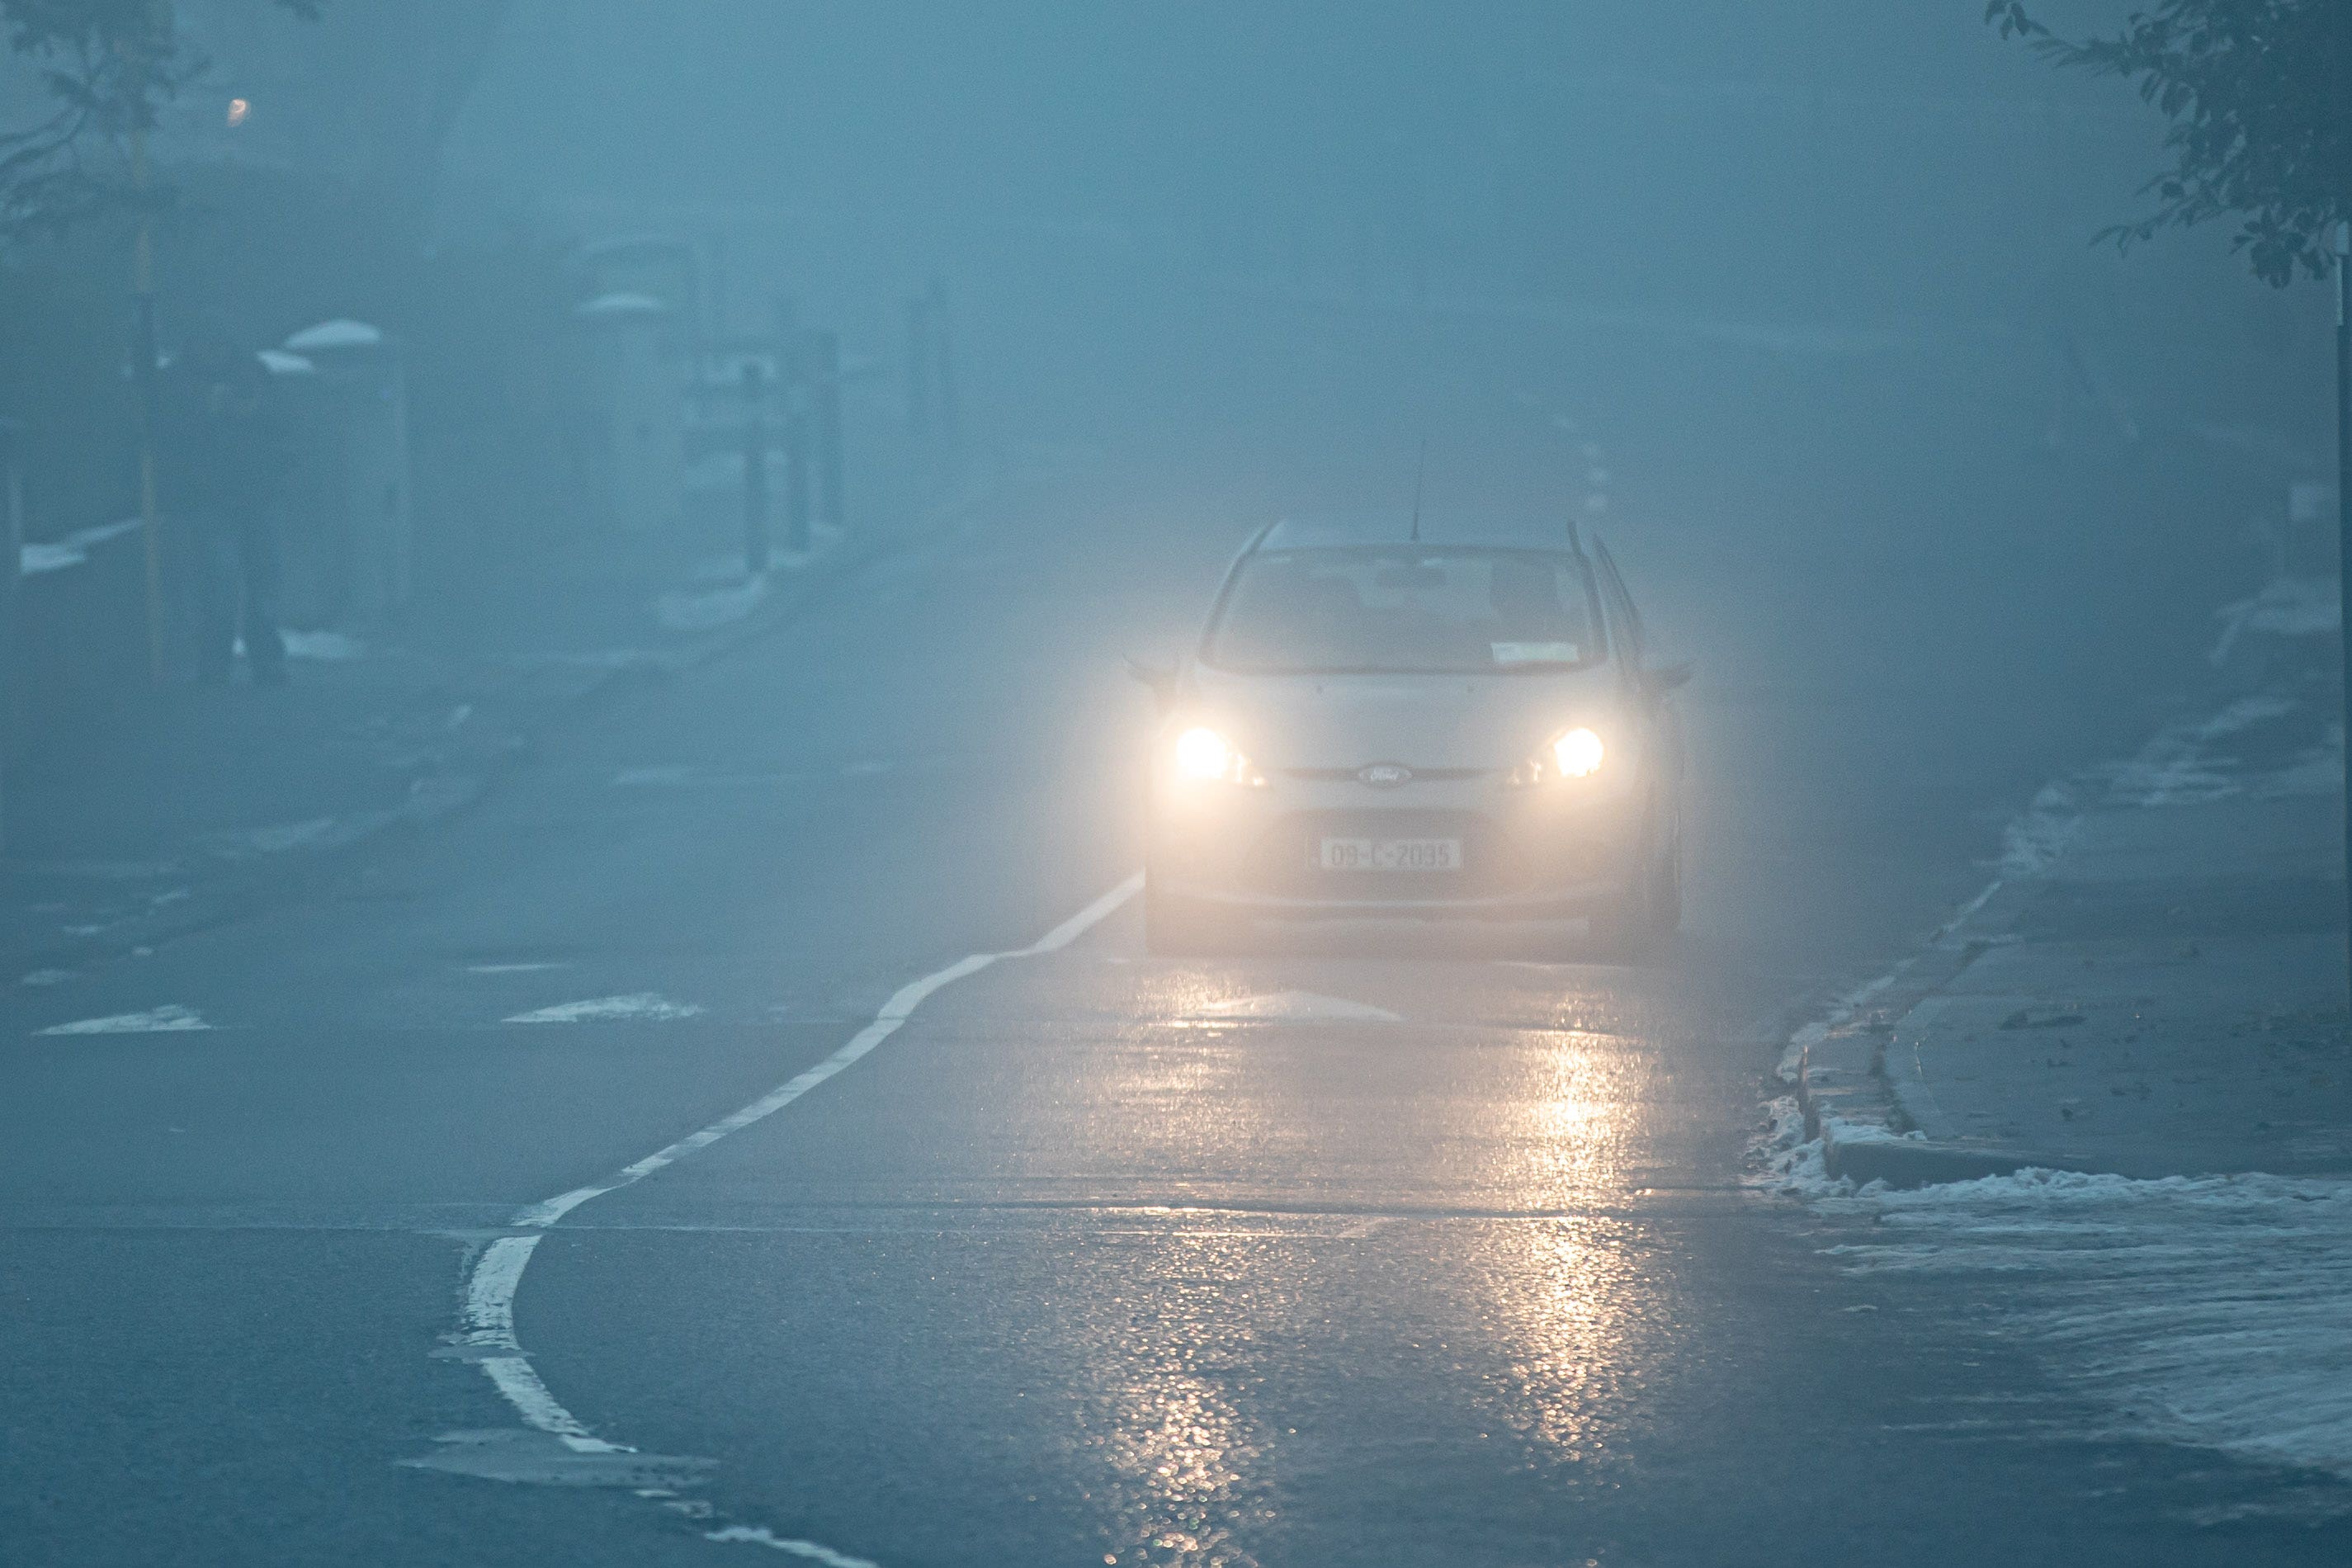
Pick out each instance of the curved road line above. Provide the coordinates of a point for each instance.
(497, 1274)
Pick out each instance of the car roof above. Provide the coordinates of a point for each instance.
(1360, 529)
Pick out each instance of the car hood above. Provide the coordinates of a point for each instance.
(1419, 720)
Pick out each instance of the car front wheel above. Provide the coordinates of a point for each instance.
(1645, 916)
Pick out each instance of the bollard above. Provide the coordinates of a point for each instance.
(796, 443)
(796, 480)
(755, 469)
(824, 387)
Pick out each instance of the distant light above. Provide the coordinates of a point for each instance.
(238, 109)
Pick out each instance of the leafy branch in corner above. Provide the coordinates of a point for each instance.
(2259, 93)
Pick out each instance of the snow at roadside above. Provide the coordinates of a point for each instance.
(2288, 606)
(2212, 1310)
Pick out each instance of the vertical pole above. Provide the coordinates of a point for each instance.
(153, 21)
(2344, 523)
(825, 383)
(918, 368)
(796, 446)
(755, 469)
(11, 566)
(943, 382)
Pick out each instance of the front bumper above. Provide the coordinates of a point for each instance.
(1546, 852)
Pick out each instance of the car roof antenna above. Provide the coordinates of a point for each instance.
(1420, 474)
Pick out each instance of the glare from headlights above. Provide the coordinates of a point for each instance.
(1579, 753)
(1202, 753)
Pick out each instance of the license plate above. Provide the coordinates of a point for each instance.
(1391, 854)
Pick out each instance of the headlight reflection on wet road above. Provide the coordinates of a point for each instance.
(1290, 1260)
(1182, 1454)
(1558, 1295)
(1504, 1155)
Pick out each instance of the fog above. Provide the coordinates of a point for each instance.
(1702, 224)
(623, 657)
(1851, 165)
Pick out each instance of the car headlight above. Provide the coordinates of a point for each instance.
(1201, 753)
(1575, 753)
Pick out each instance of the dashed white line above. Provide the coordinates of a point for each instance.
(808, 1549)
(491, 1286)
(170, 1020)
(642, 1007)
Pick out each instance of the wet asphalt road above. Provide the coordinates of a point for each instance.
(1357, 1250)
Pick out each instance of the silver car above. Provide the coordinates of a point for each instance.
(1459, 725)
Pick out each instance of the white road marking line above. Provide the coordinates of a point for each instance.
(497, 1274)
(641, 1006)
(518, 1382)
(808, 1549)
(512, 968)
(46, 977)
(489, 1294)
(170, 1020)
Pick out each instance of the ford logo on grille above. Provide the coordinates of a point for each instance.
(1384, 775)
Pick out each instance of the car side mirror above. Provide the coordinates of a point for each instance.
(1667, 677)
(1159, 678)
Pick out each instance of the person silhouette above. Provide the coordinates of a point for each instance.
(221, 455)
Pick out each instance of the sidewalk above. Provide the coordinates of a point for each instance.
(2155, 983)
(2108, 1111)
(181, 808)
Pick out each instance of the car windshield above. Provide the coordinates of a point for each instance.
(1405, 609)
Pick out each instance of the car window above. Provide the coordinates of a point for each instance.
(1405, 608)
